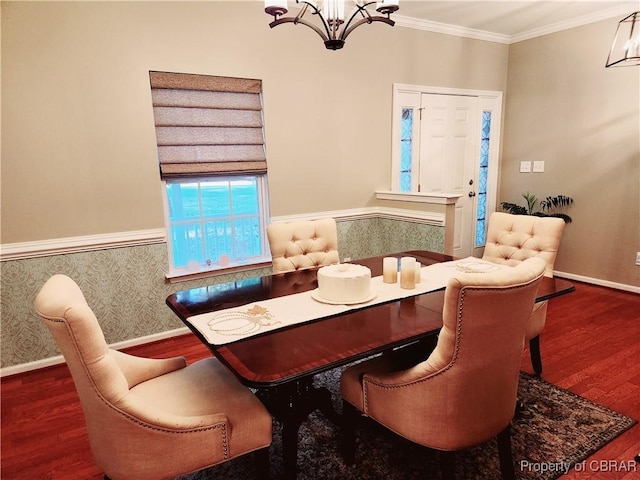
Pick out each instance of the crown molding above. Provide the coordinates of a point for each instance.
(447, 29)
(621, 11)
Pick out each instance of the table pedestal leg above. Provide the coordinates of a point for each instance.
(291, 403)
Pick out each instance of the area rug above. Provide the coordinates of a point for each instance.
(554, 430)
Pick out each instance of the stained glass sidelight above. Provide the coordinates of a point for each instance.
(481, 214)
(406, 146)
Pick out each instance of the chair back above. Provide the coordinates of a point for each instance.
(479, 350)
(514, 238)
(305, 244)
(64, 310)
(465, 392)
(103, 377)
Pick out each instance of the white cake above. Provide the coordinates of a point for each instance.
(345, 282)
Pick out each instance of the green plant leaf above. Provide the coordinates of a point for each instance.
(531, 202)
(563, 216)
(549, 207)
(513, 208)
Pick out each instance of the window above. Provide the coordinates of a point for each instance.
(406, 149)
(215, 222)
(405, 137)
(483, 177)
(210, 138)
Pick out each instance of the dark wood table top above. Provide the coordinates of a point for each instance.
(305, 349)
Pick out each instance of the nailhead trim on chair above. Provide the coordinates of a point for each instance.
(129, 417)
(300, 245)
(225, 444)
(453, 358)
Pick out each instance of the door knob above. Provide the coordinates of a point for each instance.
(472, 194)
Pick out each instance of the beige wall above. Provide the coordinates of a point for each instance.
(583, 120)
(78, 145)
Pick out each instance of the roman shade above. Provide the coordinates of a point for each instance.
(208, 124)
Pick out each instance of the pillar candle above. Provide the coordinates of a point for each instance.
(408, 272)
(418, 271)
(389, 269)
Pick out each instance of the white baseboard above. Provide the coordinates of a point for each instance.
(597, 281)
(48, 362)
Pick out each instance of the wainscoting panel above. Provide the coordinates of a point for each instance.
(126, 287)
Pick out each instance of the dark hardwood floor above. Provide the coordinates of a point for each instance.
(591, 346)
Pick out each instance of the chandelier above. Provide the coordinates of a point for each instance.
(626, 44)
(331, 24)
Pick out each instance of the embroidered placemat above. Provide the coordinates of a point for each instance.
(229, 325)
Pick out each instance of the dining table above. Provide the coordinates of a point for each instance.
(280, 361)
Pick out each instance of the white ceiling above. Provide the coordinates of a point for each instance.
(510, 19)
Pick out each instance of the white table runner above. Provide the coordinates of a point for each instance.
(229, 325)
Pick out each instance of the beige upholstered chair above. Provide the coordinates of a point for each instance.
(151, 418)
(306, 244)
(464, 393)
(514, 238)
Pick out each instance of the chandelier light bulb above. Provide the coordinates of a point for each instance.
(276, 7)
(625, 50)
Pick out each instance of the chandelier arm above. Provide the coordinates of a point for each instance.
(633, 25)
(317, 12)
(362, 10)
(351, 28)
(329, 29)
(296, 20)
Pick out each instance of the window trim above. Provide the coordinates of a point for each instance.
(492, 98)
(409, 96)
(210, 127)
(183, 273)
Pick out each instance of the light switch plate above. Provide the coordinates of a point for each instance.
(538, 166)
(525, 167)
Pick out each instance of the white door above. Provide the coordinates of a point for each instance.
(449, 153)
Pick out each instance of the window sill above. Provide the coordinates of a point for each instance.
(183, 276)
(419, 197)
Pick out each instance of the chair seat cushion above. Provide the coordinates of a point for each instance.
(351, 380)
(207, 387)
(394, 361)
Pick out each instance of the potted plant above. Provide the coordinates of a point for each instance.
(549, 207)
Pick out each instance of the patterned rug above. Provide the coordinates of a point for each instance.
(556, 430)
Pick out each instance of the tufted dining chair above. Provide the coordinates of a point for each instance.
(305, 244)
(464, 393)
(514, 238)
(150, 419)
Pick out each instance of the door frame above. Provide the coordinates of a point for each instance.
(488, 100)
